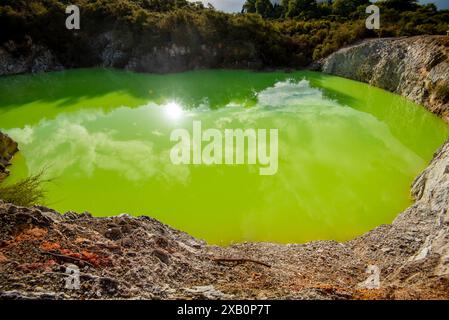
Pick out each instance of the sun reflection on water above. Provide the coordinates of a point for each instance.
(173, 110)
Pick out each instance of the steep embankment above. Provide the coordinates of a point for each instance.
(115, 50)
(416, 67)
(19, 58)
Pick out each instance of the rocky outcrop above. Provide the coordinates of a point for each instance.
(8, 148)
(115, 49)
(414, 67)
(124, 51)
(26, 57)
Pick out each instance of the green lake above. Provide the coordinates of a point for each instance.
(348, 152)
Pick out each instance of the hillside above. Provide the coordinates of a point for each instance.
(147, 36)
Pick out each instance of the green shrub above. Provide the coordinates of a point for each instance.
(27, 192)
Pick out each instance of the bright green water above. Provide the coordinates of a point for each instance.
(348, 152)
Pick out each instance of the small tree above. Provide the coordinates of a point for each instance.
(401, 5)
(301, 8)
(249, 6)
(264, 8)
(346, 8)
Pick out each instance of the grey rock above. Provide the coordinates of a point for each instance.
(207, 292)
(414, 67)
(113, 233)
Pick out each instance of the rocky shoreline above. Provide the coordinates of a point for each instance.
(125, 257)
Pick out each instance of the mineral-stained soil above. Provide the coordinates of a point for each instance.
(124, 257)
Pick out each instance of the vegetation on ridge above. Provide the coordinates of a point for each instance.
(291, 34)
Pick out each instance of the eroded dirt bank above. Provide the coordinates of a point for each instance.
(126, 257)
